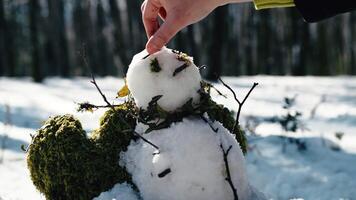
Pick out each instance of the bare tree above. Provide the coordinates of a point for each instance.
(34, 11)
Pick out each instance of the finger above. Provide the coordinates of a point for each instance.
(163, 35)
(150, 12)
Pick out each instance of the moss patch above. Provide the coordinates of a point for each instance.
(66, 164)
(207, 105)
(155, 66)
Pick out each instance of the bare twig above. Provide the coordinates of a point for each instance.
(147, 141)
(210, 124)
(120, 116)
(101, 93)
(122, 119)
(228, 174)
(86, 106)
(314, 109)
(241, 103)
(218, 91)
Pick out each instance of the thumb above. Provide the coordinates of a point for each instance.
(163, 35)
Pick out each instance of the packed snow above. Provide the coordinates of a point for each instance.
(176, 89)
(325, 170)
(119, 191)
(191, 150)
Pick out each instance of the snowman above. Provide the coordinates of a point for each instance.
(194, 157)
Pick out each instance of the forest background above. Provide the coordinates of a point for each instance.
(41, 38)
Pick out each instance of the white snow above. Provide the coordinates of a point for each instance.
(122, 191)
(318, 173)
(176, 90)
(191, 150)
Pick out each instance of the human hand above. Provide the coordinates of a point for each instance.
(176, 15)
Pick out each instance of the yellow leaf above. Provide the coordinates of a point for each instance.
(124, 91)
(90, 110)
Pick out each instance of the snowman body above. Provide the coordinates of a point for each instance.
(192, 152)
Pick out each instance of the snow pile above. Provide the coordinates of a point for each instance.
(145, 82)
(120, 191)
(192, 153)
(322, 172)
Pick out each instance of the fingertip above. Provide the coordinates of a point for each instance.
(151, 46)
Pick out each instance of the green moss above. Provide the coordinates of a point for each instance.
(66, 164)
(155, 66)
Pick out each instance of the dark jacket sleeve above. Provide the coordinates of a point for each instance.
(316, 10)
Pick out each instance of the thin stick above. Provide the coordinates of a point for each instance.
(208, 122)
(119, 114)
(147, 141)
(121, 118)
(232, 91)
(237, 122)
(242, 103)
(86, 106)
(93, 81)
(101, 93)
(228, 173)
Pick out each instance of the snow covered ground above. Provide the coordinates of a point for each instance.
(325, 170)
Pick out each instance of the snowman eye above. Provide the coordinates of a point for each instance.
(181, 68)
(146, 56)
(155, 66)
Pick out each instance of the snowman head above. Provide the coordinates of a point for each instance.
(169, 73)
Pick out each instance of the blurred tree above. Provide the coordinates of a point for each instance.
(192, 44)
(120, 48)
(104, 55)
(264, 37)
(85, 38)
(321, 51)
(233, 40)
(34, 11)
(8, 26)
(216, 44)
(57, 47)
(2, 38)
(303, 62)
(353, 43)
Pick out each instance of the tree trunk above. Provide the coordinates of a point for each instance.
(104, 57)
(215, 60)
(57, 44)
(85, 38)
(120, 47)
(34, 10)
(2, 38)
(192, 44)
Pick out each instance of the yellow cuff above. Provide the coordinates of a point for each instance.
(263, 4)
